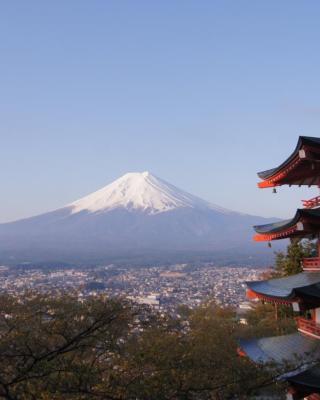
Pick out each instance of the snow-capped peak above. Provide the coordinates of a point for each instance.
(140, 191)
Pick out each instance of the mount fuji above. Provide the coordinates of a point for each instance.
(139, 218)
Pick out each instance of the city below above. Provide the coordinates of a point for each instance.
(163, 287)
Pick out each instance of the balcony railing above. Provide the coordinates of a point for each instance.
(312, 203)
(311, 264)
(308, 326)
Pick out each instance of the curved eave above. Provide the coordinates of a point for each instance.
(309, 379)
(311, 292)
(306, 222)
(291, 348)
(295, 288)
(251, 294)
(298, 168)
(285, 234)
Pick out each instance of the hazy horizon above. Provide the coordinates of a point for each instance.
(109, 183)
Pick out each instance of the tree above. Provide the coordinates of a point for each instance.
(58, 348)
(290, 263)
(199, 363)
(106, 349)
(262, 322)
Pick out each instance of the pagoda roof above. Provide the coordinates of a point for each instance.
(306, 222)
(309, 378)
(279, 349)
(290, 288)
(300, 168)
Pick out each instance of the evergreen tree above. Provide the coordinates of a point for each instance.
(290, 263)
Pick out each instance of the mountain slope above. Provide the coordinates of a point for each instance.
(137, 216)
(140, 191)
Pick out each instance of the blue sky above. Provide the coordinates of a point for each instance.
(202, 93)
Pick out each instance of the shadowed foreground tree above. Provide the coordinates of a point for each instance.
(53, 347)
(105, 349)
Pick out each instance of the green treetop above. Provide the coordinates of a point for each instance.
(290, 263)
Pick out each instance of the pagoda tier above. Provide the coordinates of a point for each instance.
(300, 290)
(298, 352)
(301, 168)
(304, 384)
(305, 223)
(296, 349)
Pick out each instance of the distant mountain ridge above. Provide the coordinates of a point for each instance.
(136, 217)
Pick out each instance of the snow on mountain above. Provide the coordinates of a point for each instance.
(138, 216)
(140, 191)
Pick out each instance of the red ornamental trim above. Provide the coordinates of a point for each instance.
(275, 180)
(251, 294)
(311, 263)
(312, 203)
(308, 326)
(241, 353)
(313, 397)
(261, 237)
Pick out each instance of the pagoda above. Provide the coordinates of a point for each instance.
(300, 350)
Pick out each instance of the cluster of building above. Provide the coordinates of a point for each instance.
(168, 287)
(162, 287)
(297, 353)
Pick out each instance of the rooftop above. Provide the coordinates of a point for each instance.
(290, 287)
(300, 168)
(295, 348)
(305, 222)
